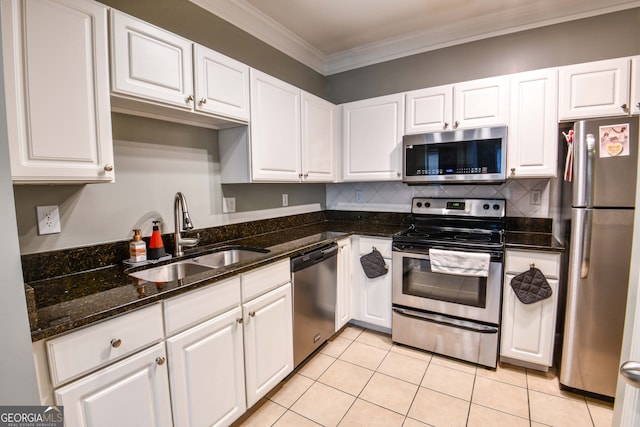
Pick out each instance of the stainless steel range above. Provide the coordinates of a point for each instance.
(447, 278)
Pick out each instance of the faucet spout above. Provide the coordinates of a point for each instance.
(180, 205)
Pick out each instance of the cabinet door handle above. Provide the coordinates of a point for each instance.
(203, 101)
(116, 342)
(624, 107)
(446, 125)
(252, 313)
(189, 99)
(240, 320)
(456, 124)
(160, 360)
(108, 167)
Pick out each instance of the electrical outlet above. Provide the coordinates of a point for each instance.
(285, 200)
(48, 219)
(359, 196)
(228, 204)
(535, 197)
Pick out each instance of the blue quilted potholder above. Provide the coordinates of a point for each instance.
(531, 286)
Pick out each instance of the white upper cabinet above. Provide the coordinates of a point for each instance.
(429, 110)
(149, 62)
(594, 89)
(56, 79)
(292, 137)
(480, 103)
(372, 136)
(222, 84)
(532, 148)
(471, 104)
(319, 133)
(635, 85)
(275, 129)
(164, 70)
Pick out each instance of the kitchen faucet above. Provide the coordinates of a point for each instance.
(180, 203)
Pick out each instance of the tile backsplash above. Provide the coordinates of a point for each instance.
(396, 196)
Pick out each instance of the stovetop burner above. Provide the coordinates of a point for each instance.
(468, 224)
(472, 237)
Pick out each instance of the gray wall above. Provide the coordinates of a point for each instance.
(602, 37)
(17, 371)
(153, 160)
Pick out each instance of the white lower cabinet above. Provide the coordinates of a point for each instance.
(528, 330)
(133, 392)
(268, 341)
(372, 297)
(344, 284)
(207, 372)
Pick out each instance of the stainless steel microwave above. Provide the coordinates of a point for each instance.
(455, 157)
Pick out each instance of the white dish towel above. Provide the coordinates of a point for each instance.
(459, 263)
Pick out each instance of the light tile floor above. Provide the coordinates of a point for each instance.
(361, 378)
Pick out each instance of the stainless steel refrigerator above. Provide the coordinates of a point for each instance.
(605, 160)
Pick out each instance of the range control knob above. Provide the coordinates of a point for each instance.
(427, 205)
(496, 207)
(419, 204)
(485, 206)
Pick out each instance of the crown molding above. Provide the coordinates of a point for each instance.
(254, 22)
(259, 25)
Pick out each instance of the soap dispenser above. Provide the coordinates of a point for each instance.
(137, 248)
(156, 247)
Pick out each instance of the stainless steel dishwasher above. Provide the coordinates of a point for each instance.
(314, 299)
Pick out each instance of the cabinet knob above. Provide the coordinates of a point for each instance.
(624, 107)
(239, 320)
(116, 342)
(446, 125)
(160, 360)
(306, 175)
(203, 101)
(398, 174)
(108, 167)
(252, 313)
(189, 99)
(513, 170)
(638, 105)
(456, 124)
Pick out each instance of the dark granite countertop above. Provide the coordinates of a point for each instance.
(531, 233)
(70, 301)
(532, 241)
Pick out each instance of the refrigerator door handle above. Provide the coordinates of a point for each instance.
(630, 371)
(586, 243)
(588, 190)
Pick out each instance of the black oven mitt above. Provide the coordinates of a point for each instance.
(531, 286)
(373, 264)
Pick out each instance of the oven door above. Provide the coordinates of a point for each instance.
(416, 286)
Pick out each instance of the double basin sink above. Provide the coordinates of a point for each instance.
(181, 269)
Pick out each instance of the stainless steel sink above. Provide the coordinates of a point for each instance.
(229, 256)
(170, 272)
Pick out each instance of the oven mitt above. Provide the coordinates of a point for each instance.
(373, 264)
(531, 286)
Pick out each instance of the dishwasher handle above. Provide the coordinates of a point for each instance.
(316, 256)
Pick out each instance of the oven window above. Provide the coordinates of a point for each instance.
(419, 281)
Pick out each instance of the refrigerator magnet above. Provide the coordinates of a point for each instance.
(614, 140)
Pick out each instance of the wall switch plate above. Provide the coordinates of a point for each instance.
(285, 200)
(48, 219)
(359, 196)
(228, 204)
(536, 195)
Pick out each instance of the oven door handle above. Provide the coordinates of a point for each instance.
(449, 321)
